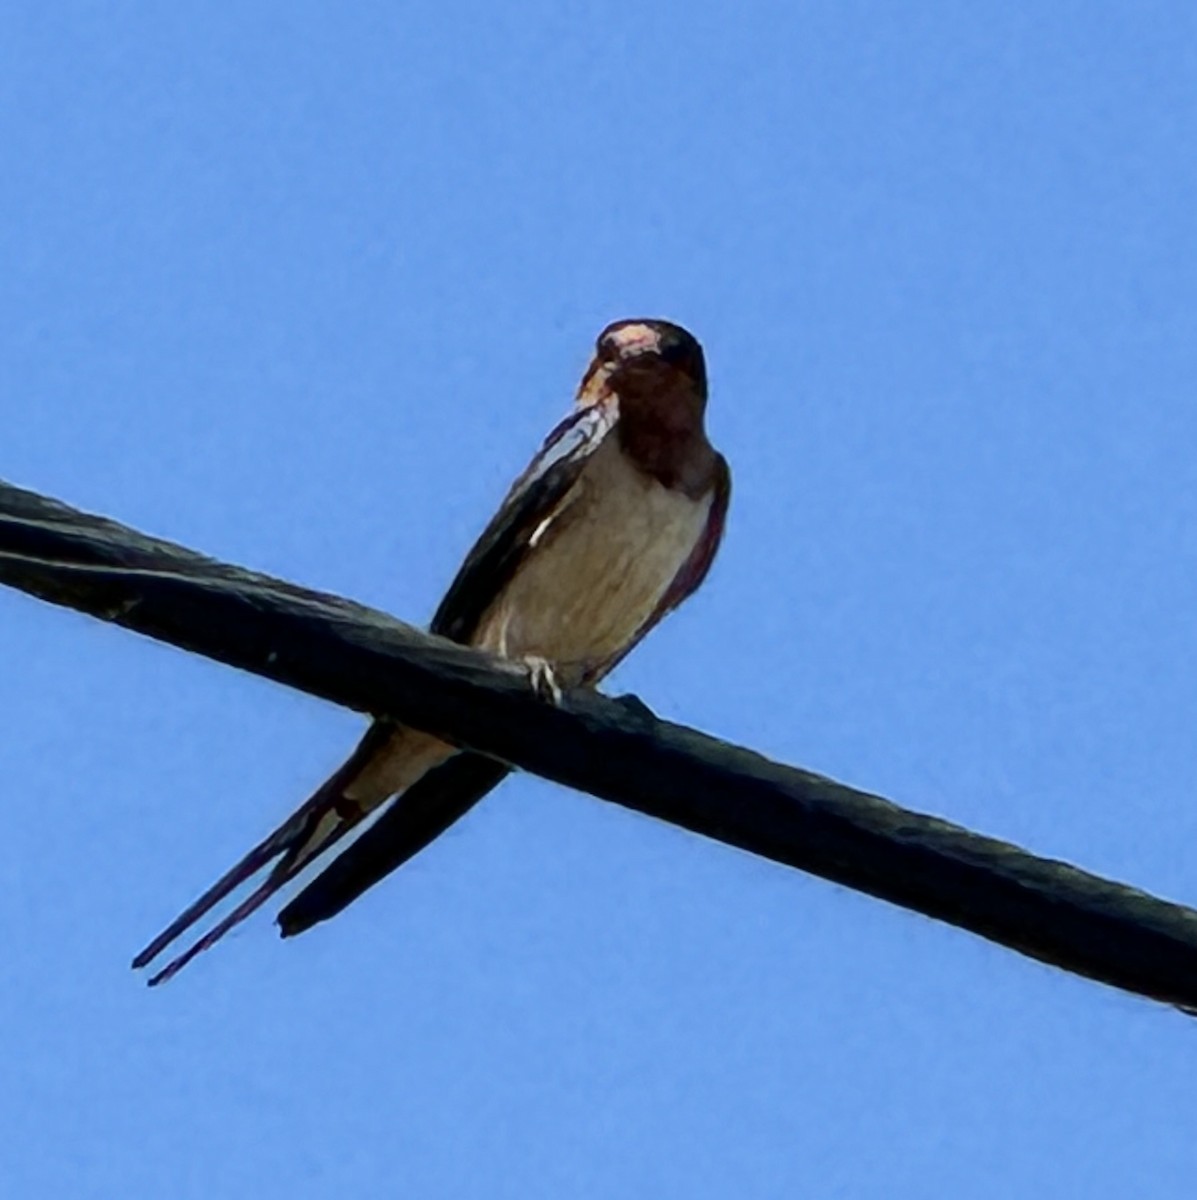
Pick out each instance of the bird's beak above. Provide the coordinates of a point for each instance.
(596, 383)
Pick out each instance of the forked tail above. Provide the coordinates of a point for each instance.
(308, 832)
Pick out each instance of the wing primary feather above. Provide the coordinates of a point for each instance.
(502, 545)
(417, 818)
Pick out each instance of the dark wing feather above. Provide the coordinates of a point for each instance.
(417, 818)
(500, 549)
(446, 793)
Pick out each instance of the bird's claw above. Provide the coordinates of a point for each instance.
(543, 679)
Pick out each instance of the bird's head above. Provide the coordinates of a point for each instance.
(640, 357)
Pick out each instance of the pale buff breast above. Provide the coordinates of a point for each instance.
(597, 569)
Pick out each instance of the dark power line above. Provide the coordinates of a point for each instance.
(614, 749)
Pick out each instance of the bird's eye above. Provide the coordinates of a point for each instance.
(677, 354)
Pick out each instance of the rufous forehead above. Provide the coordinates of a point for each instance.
(635, 338)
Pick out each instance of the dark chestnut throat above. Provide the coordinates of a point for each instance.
(661, 431)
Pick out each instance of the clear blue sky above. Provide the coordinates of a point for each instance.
(304, 285)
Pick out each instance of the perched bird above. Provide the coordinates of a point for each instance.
(614, 523)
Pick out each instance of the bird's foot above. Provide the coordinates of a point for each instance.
(543, 679)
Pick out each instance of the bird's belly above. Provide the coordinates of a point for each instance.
(596, 572)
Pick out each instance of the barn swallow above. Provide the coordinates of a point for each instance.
(615, 522)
